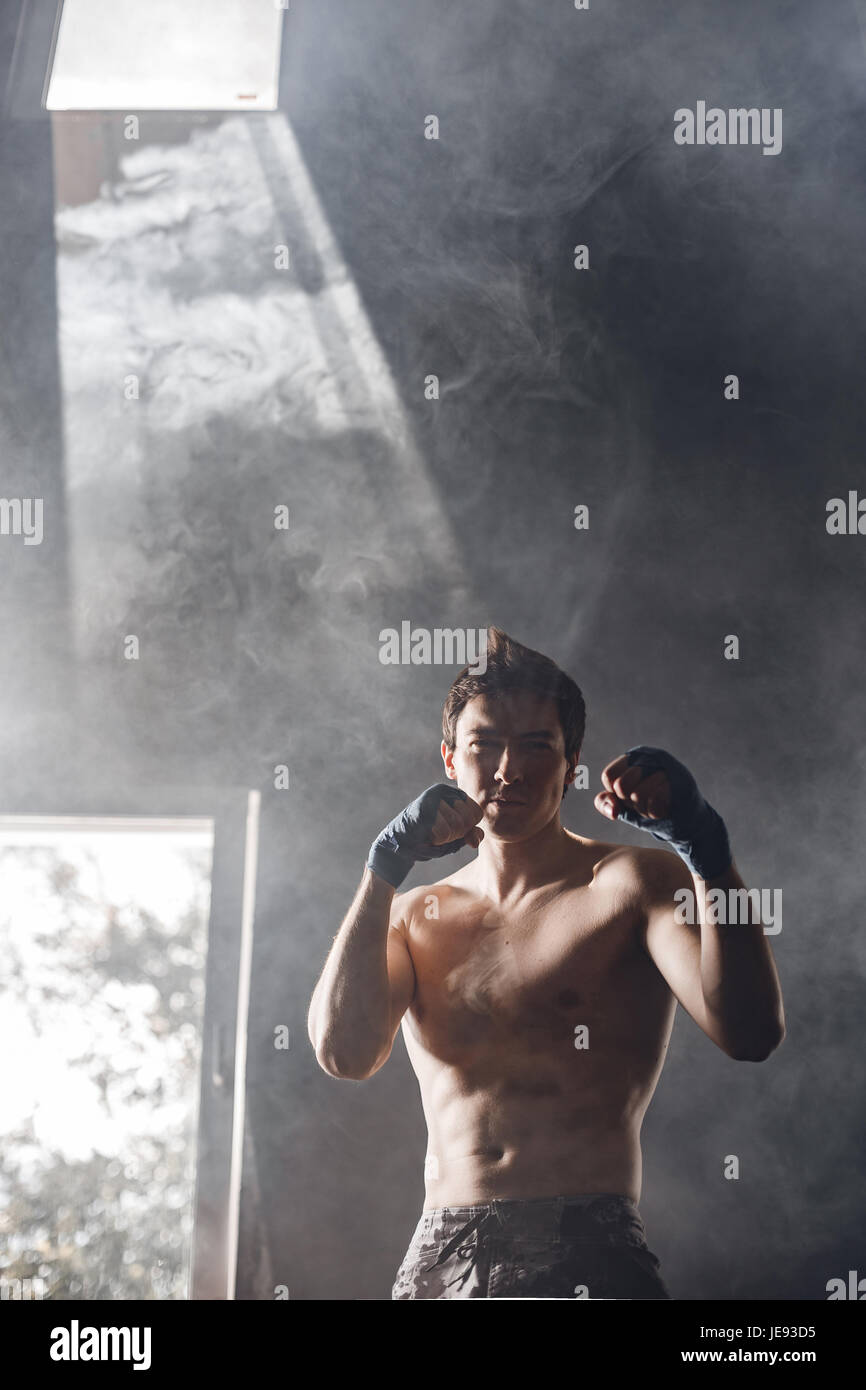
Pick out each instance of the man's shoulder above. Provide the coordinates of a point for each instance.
(420, 900)
(643, 866)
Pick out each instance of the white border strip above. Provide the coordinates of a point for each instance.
(101, 824)
(251, 857)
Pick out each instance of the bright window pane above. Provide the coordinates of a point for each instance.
(166, 55)
(103, 937)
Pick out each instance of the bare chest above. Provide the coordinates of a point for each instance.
(534, 975)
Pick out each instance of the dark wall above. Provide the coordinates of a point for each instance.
(558, 387)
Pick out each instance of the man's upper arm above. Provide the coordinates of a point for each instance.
(675, 947)
(401, 971)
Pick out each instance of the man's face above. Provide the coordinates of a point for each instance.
(510, 758)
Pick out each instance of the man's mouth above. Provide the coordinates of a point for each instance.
(507, 801)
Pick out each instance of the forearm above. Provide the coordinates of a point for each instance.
(738, 974)
(349, 1017)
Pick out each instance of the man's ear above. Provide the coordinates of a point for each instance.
(448, 759)
(572, 771)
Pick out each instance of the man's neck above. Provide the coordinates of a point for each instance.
(505, 870)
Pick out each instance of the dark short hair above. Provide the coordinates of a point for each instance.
(511, 666)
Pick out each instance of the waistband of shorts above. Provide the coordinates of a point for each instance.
(591, 1216)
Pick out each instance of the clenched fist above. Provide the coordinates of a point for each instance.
(650, 789)
(440, 821)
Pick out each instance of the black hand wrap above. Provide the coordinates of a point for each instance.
(407, 839)
(692, 827)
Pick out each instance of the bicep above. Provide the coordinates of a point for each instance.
(401, 977)
(675, 946)
(401, 972)
(675, 949)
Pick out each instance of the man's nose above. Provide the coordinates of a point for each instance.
(509, 769)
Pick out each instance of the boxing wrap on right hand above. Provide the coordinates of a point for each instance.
(407, 839)
(692, 827)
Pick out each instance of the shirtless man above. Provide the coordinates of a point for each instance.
(536, 988)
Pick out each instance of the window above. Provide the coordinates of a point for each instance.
(201, 55)
(126, 943)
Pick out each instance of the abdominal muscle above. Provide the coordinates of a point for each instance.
(519, 1138)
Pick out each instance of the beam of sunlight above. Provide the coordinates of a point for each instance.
(177, 330)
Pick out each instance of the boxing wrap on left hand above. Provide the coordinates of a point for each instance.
(407, 838)
(692, 827)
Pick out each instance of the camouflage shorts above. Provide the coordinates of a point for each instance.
(589, 1246)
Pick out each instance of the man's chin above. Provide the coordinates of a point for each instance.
(509, 821)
